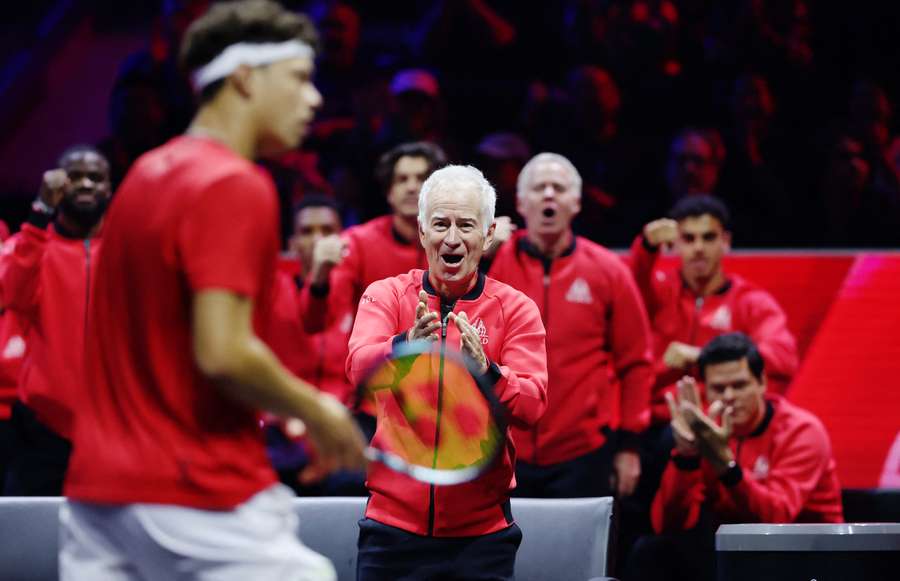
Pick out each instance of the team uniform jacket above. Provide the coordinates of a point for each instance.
(375, 251)
(594, 318)
(678, 314)
(514, 342)
(787, 474)
(317, 357)
(12, 353)
(47, 281)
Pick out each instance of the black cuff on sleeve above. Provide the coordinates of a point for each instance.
(732, 476)
(686, 462)
(39, 219)
(647, 246)
(320, 291)
(490, 377)
(398, 340)
(628, 440)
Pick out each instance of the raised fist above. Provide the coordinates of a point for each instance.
(662, 231)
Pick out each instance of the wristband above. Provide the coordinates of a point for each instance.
(41, 207)
(732, 475)
(686, 462)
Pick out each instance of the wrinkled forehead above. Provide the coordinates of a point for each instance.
(460, 198)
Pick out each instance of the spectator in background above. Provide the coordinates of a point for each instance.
(144, 111)
(417, 111)
(690, 304)
(856, 191)
(595, 320)
(751, 181)
(501, 156)
(46, 283)
(12, 353)
(695, 163)
(751, 456)
(308, 330)
(583, 122)
(389, 245)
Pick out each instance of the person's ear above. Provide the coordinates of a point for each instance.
(726, 240)
(242, 80)
(489, 237)
(421, 233)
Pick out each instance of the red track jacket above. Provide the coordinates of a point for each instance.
(513, 340)
(316, 356)
(788, 476)
(678, 314)
(375, 251)
(47, 284)
(594, 317)
(12, 353)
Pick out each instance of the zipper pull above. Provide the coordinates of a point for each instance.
(698, 303)
(546, 280)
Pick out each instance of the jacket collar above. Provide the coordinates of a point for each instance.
(472, 295)
(525, 245)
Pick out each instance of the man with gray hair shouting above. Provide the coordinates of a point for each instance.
(595, 320)
(414, 530)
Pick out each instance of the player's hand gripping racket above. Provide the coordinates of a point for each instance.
(437, 421)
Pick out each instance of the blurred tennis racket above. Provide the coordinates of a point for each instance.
(437, 423)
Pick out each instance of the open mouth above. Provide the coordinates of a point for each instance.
(452, 259)
(549, 212)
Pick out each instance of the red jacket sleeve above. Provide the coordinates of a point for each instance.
(776, 344)
(676, 506)
(20, 270)
(631, 343)
(642, 263)
(376, 325)
(522, 387)
(796, 469)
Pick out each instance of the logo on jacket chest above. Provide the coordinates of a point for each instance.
(721, 319)
(580, 292)
(760, 468)
(478, 324)
(15, 348)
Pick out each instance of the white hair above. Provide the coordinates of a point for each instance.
(458, 177)
(546, 157)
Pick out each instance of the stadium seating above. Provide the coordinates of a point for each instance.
(562, 539)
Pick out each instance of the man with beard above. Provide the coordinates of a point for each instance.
(46, 274)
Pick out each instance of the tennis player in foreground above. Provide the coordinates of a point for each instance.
(169, 478)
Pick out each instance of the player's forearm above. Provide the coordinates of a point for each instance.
(250, 373)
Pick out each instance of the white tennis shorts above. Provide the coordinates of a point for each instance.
(255, 541)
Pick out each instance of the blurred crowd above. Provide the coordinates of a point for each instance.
(752, 101)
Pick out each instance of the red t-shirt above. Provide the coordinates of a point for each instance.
(190, 215)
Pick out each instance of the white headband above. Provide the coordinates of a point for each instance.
(250, 54)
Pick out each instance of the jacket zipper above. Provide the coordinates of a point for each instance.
(695, 320)
(545, 316)
(87, 286)
(445, 309)
(320, 367)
